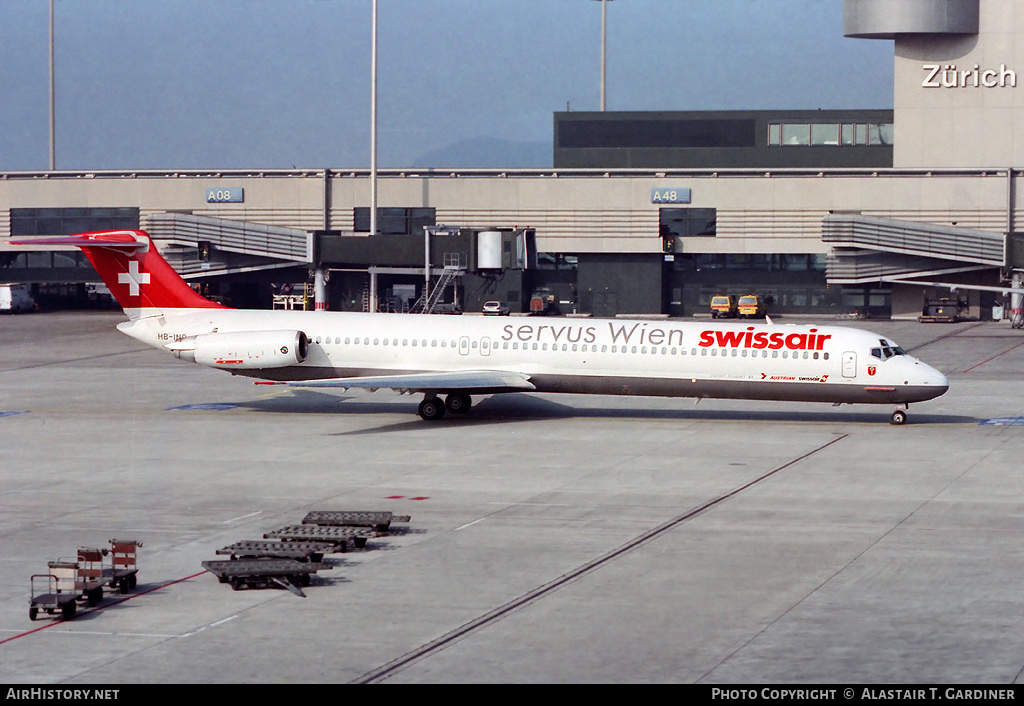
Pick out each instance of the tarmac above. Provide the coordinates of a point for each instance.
(552, 539)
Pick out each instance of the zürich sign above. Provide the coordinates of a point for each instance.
(949, 76)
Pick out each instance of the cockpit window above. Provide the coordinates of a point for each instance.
(886, 350)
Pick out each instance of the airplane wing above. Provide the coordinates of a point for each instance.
(479, 381)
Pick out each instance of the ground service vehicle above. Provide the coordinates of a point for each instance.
(751, 306)
(15, 298)
(494, 308)
(724, 306)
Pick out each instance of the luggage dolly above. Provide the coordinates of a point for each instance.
(339, 537)
(379, 520)
(60, 594)
(263, 573)
(69, 580)
(123, 570)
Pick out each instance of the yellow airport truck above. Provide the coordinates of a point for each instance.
(723, 306)
(751, 306)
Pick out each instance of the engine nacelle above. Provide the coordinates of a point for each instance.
(244, 350)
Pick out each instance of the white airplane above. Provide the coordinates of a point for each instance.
(457, 357)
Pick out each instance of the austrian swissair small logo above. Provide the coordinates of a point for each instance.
(133, 278)
(871, 370)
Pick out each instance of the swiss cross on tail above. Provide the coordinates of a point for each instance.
(133, 278)
(134, 272)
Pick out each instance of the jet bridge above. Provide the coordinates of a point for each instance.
(870, 250)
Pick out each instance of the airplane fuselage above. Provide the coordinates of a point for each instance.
(592, 356)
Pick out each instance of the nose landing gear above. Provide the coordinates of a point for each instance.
(898, 417)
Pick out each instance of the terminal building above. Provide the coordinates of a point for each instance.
(817, 211)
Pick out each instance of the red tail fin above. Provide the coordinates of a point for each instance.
(134, 272)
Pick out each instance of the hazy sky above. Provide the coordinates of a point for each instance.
(155, 84)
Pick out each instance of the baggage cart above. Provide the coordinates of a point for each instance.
(55, 591)
(379, 520)
(264, 573)
(122, 571)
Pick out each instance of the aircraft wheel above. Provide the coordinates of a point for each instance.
(898, 417)
(431, 410)
(458, 402)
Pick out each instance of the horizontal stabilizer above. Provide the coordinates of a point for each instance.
(481, 381)
(118, 239)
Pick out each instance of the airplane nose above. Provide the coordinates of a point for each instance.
(935, 379)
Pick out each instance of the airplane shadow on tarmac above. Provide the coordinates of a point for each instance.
(524, 407)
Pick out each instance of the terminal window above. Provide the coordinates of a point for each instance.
(68, 221)
(687, 222)
(651, 133)
(829, 134)
(394, 221)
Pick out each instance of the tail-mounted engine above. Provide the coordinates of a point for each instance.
(244, 350)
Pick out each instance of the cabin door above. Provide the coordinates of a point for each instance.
(849, 364)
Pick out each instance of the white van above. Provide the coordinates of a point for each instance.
(15, 298)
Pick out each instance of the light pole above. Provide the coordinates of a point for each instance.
(604, 36)
(53, 119)
(373, 126)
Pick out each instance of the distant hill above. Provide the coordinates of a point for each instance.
(488, 153)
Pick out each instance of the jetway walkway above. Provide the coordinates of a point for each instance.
(871, 249)
(251, 245)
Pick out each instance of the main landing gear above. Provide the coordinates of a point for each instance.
(432, 409)
(898, 417)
